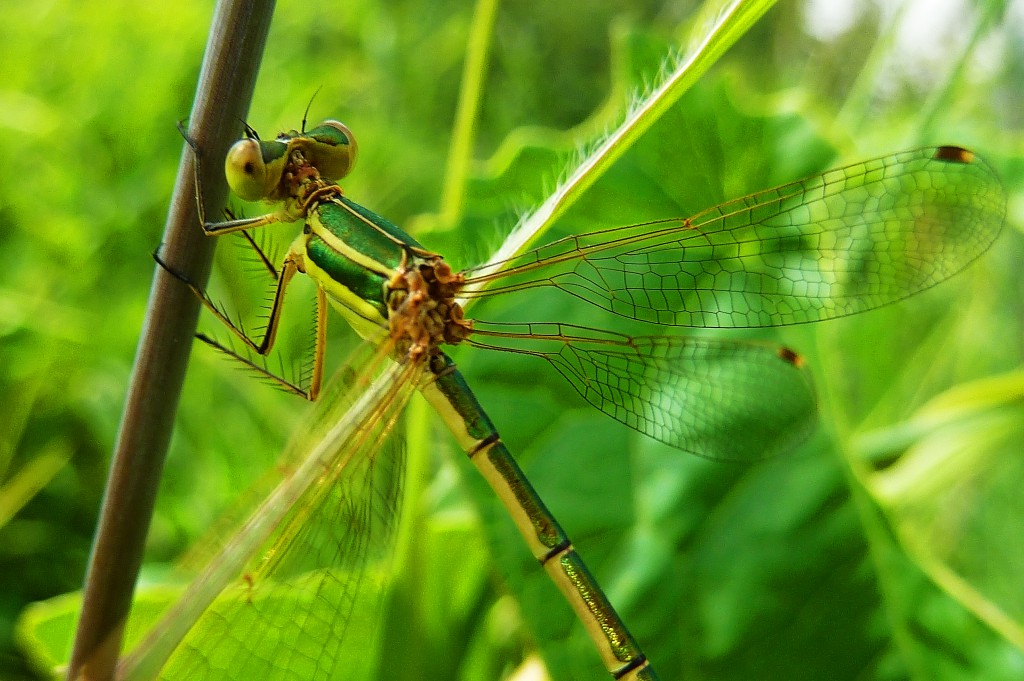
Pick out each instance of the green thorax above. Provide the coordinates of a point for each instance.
(353, 253)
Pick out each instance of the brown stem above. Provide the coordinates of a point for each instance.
(226, 83)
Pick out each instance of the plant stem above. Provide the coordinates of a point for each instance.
(226, 83)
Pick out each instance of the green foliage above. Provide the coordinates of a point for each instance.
(887, 548)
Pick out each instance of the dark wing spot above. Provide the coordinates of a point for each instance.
(791, 356)
(953, 155)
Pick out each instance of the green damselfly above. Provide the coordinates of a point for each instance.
(831, 245)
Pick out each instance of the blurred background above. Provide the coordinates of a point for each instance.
(889, 547)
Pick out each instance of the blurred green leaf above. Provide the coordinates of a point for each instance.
(841, 561)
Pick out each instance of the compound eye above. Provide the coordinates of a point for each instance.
(245, 170)
(336, 149)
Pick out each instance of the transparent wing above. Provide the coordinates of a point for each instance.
(831, 245)
(306, 600)
(328, 562)
(715, 398)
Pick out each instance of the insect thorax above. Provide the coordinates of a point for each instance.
(422, 312)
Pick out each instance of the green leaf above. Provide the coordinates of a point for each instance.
(843, 560)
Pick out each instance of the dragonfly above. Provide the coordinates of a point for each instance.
(834, 244)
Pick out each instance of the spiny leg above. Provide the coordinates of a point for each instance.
(261, 255)
(233, 224)
(263, 346)
(317, 376)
